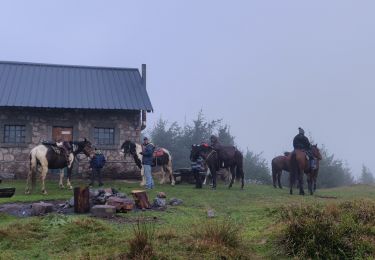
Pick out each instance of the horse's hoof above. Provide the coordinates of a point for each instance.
(62, 187)
(27, 192)
(274, 186)
(44, 192)
(70, 187)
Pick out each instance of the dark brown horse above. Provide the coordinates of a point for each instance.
(227, 157)
(300, 164)
(279, 164)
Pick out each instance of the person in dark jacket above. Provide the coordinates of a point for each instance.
(301, 142)
(96, 164)
(147, 157)
(197, 167)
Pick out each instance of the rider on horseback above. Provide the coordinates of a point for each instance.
(301, 142)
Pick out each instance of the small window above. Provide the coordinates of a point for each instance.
(14, 134)
(104, 136)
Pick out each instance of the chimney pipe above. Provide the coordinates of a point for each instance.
(143, 112)
(143, 118)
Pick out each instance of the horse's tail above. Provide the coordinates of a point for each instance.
(33, 169)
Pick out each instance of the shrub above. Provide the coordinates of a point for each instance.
(343, 231)
(140, 246)
(218, 239)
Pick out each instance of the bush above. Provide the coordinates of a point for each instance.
(343, 231)
(140, 246)
(218, 239)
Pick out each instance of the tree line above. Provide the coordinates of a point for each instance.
(178, 140)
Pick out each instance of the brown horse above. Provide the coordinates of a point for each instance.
(300, 164)
(279, 164)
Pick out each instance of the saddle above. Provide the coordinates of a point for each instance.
(54, 147)
(158, 152)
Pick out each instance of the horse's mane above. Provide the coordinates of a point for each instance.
(286, 153)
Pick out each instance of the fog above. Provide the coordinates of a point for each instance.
(264, 67)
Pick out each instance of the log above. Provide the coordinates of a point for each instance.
(81, 199)
(141, 199)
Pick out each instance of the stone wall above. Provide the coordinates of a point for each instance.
(14, 159)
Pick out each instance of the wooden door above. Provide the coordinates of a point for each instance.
(63, 133)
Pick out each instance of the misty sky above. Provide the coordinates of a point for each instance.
(265, 67)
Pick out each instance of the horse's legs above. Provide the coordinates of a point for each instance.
(206, 177)
(69, 176)
(43, 178)
(314, 188)
(170, 171)
(61, 184)
(315, 176)
(300, 182)
(143, 182)
(28, 181)
(213, 175)
(232, 170)
(162, 181)
(291, 182)
(309, 183)
(279, 179)
(242, 177)
(274, 176)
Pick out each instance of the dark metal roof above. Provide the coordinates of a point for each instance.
(64, 86)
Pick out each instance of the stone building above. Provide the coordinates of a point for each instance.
(49, 102)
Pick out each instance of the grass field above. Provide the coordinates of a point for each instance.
(253, 210)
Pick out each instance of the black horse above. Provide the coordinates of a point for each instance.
(224, 158)
(44, 155)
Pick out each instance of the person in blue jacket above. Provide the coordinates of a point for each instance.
(96, 164)
(147, 157)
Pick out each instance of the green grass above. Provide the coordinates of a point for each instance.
(254, 210)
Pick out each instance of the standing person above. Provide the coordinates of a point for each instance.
(96, 164)
(147, 153)
(197, 167)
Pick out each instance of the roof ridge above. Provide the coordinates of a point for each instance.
(64, 65)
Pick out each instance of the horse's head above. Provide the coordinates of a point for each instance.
(128, 147)
(85, 147)
(316, 152)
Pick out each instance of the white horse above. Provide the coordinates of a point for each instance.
(45, 157)
(164, 161)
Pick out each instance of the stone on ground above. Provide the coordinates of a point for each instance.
(103, 211)
(121, 204)
(41, 208)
